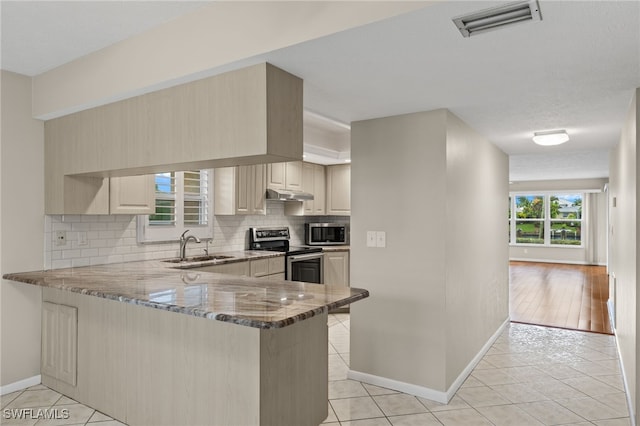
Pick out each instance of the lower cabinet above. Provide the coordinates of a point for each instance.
(59, 342)
(236, 268)
(336, 268)
(271, 268)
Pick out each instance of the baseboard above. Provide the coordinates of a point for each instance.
(425, 392)
(399, 386)
(566, 262)
(632, 415)
(467, 371)
(20, 385)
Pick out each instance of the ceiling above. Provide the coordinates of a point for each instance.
(575, 70)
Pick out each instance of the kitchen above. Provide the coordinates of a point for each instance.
(21, 256)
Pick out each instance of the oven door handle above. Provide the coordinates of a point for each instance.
(305, 256)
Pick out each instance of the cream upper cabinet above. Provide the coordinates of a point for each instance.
(285, 175)
(293, 175)
(254, 112)
(240, 190)
(276, 173)
(336, 268)
(313, 181)
(339, 190)
(132, 195)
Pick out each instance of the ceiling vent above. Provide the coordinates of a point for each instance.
(498, 17)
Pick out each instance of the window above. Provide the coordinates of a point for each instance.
(529, 219)
(182, 202)
(566, 219)
(550, 220)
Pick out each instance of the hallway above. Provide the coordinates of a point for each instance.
(559, 295)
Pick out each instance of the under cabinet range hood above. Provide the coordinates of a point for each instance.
(288, 195)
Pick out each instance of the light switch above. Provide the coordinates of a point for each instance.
(371, 238)
(381, 239)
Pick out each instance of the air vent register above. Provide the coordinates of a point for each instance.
(498, 17)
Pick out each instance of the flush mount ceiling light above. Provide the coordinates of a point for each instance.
(497, 17)
(553, 137)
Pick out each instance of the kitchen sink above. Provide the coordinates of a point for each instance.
(199, 259)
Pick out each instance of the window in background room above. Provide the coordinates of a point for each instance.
(183, 202)
(529, 221)
(549, 220)
(566, 219)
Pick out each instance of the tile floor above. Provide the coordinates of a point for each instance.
(531, 376)
(39, 405)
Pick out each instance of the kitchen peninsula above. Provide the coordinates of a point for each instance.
(156, 344)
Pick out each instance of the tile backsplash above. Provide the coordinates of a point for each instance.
(112, 238)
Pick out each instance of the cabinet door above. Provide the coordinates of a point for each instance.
(308, 185)
(132, 195)
(49, 340)
(276, 265)
(224, 191)
(236, 268)
(259, 268)
(293, 175)
(336, 268)
(339, 190)
(67, 343)
(319, 189)
(276, 173)
(259, 189)
(59, 342)
(244, 194)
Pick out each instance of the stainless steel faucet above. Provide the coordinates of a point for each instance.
(183, 244)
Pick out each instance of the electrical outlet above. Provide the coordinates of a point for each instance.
(381, 239)
(61, 238)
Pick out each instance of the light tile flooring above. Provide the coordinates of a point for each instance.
(39, 405)
(531, 376)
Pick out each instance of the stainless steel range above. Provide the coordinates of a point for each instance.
(303, 263)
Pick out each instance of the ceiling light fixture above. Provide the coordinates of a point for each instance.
(498, 17)
(552, 137)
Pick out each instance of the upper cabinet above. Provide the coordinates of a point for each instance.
(132, 195)
(285, 175)
(240, 190)
(339, 190)
(246, 116)
(313, 181)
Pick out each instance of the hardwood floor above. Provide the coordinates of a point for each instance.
(559, 295)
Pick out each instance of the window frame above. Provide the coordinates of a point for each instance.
(547, 219)
(147, 233)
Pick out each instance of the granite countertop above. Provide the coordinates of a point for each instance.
(158, 284)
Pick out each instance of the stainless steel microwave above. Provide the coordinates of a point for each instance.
(326, 234)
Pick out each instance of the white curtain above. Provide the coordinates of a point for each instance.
(590, 219)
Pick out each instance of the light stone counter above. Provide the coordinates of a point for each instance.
(149, 343)
(168, 286)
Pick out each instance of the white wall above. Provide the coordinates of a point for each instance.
(594, 231)
(623, 241)
(417, 177)
(477, 268)
(21, 218)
